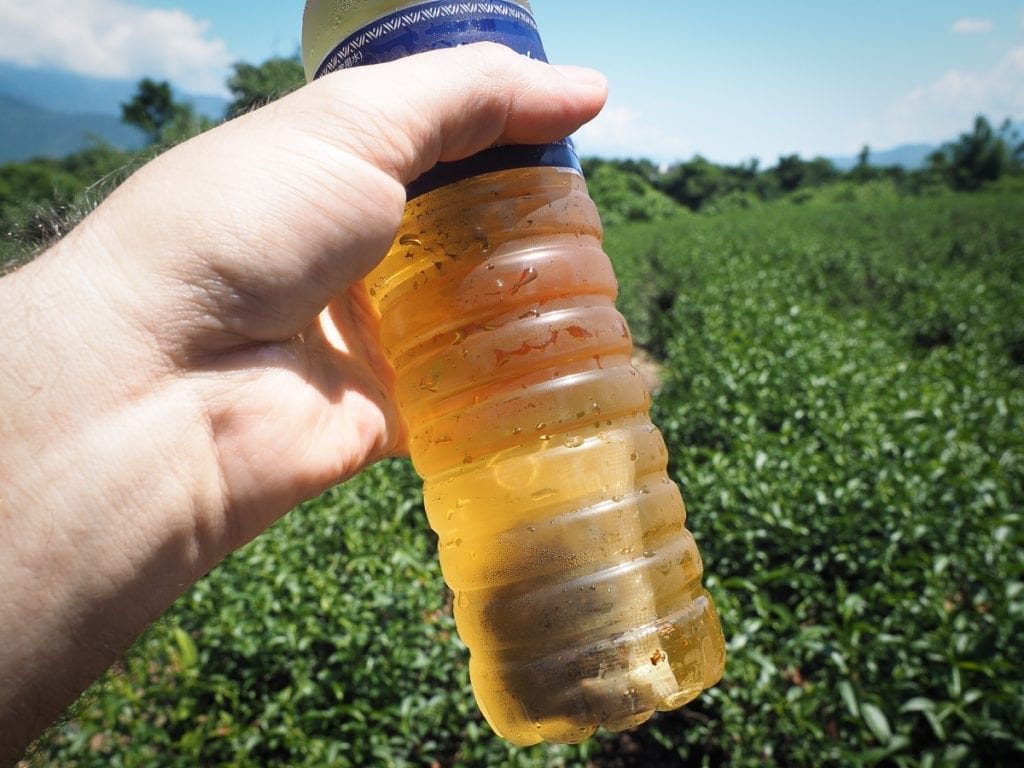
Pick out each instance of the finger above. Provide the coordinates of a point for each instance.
(450, 110)
(262, 220)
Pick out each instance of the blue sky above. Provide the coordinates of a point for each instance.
(728, 80)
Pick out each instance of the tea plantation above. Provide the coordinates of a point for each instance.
(843, 399)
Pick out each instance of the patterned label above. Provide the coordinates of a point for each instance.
(436, 25)
(446, 24)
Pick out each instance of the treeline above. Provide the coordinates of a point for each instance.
(639, 190)
(41, 198)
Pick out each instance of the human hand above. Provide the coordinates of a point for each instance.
(199, 355)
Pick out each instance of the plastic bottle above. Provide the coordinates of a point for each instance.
(577, 587)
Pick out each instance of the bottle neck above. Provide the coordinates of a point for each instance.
(411, 28)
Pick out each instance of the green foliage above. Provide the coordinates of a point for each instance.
(41, 199)
(151, 109)
(623, 196)
(165, 121)
(845, 411)
(979, 157)
(844, 407)
(253, 86)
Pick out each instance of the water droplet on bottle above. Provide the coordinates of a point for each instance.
(528, 276)
(463, 600)
(410, 240)
(645, 489)
(574, 442)
(634, 456)
(543, 494)
(649, 553)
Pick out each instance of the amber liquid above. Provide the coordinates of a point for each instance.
(577, 586)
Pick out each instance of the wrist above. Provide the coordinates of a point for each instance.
(108, 503)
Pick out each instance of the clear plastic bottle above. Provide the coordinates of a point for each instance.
(577, 586)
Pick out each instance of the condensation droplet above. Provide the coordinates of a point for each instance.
(463, 600)
(574, 442)
(543, 494)
(529, 275)
(634, 456)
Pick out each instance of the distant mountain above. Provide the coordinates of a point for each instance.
(27, 131)
(909, 156)
(915, 156)
(69, 93)
(50, 113)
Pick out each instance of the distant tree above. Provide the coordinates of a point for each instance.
(623, 193)
(790, 172)
(253, 86)
(975, 158)
(695, 182)
(151, 109)
(863, 171)
(1014, 146)
(164, 120)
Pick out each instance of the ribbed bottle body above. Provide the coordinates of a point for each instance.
(577, 586)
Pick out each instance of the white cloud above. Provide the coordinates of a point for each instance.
(971, 26)
(947, 107)
(113, 38)
(622, 131)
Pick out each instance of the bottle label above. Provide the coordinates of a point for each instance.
(447, 24)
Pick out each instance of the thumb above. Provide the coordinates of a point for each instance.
(276, 212)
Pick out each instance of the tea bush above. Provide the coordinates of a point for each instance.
(843, 401)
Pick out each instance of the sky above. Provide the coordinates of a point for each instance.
(728, 80)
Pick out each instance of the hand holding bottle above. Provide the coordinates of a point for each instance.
(169, 383)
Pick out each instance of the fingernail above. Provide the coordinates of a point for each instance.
(582, 75)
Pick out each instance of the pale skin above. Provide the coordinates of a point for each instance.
(198, 356)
